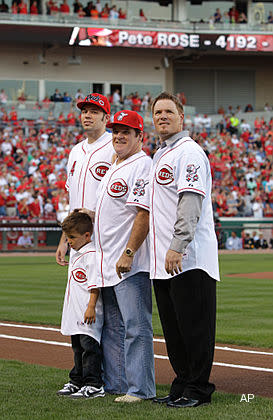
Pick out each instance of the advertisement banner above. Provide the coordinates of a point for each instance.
(105, 37)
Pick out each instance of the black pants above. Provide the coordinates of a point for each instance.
(187, 310)
(87, 361)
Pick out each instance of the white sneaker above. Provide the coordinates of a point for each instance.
(68, 389)
(89, 391)
(128, 399)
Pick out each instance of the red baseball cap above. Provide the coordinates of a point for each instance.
(126, 117)
(96, 99)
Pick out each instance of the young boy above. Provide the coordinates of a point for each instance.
(82, 317)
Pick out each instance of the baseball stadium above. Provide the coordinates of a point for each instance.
(63, 59)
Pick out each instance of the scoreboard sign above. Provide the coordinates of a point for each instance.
(170, 40)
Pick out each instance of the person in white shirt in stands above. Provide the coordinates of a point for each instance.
(25, 240)
(258, 208)
(121, 228)
(233, 242)
(116, 97)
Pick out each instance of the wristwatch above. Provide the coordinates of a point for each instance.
(129, 252)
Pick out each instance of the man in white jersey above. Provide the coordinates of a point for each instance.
(121, 228)
(89, 160)
(184, 257)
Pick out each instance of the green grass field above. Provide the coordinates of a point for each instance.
(32, 290)
(31, 395)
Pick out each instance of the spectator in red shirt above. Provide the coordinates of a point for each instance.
(61, 118)
(104, 13)
(121, 13)
(233, 14)
(34, 8)
(2, 203)
(13, 114)
(23, 210)
(136, 102)
(11, 204)
(52, 7)
(22, 8)
(94, 13)
(142, 15)
(64, 8)
(14, 7)
(34, 207)
(71, 118)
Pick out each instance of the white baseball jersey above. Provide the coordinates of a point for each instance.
(180, 167)
(81, 279)
(124, 187)
(87, 165)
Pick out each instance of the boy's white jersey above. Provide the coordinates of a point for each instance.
(87, 165)
(81, 279)
(122, 190)
(180, 167)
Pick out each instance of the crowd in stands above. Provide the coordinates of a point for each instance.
(233, 16)
(253, 240)
(93, 9)
(33, 158)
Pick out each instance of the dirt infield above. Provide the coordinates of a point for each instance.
(262, 275)
(238, 370)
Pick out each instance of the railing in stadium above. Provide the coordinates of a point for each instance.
(45, 234)
(136, 23)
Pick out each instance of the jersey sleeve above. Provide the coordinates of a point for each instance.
(191, 173)
(139, 185)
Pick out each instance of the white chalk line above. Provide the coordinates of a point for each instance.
(156, 356)
(35, 340)
(156, 340)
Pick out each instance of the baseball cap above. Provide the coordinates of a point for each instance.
(96, 99)
(127, 117)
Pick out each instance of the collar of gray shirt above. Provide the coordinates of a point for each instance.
(174, 138)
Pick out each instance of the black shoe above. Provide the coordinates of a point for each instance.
(184, 402)
(164, 400)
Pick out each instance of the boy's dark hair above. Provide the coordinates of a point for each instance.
(167, 95)
(77, 222)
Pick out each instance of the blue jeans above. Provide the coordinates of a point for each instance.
(127, 337)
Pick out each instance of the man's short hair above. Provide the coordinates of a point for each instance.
(171, 97)
(77, 222)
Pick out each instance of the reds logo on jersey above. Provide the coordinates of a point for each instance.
(139, 187)
(79, 275)
(191, 175)
(99, 170)
(118, 188)
(164, 175)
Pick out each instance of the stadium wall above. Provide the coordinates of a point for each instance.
(112, 65)
(139, 69)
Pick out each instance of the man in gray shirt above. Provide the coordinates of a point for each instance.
(184, 254)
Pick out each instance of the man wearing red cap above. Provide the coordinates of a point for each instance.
(89, 160)
(121, 228)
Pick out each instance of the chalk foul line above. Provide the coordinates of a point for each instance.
(156, 356)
